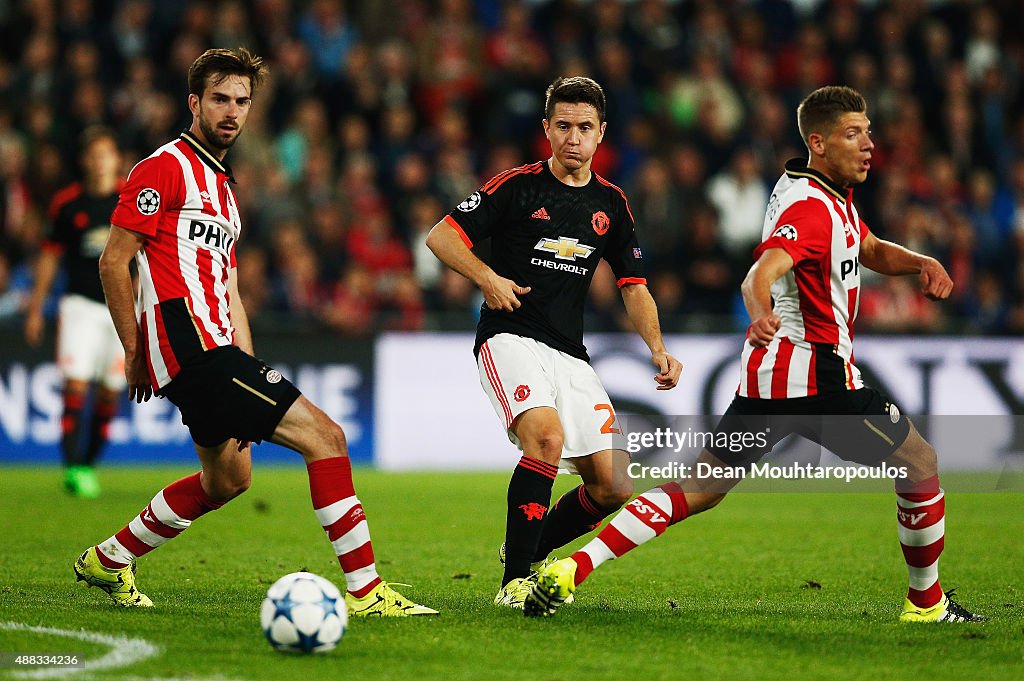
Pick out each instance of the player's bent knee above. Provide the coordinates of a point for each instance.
(309, 431)
(328, 440)
(611, 497)
(243, 484)
(334, 436)
(226, 489)
(698, 502)
(546, 446)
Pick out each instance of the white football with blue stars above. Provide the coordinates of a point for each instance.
(303, 613)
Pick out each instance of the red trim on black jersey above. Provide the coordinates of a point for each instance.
(621, 193)
(458, 228)
(64, 197)
(502, 178)
(630, 280)
(490, 182)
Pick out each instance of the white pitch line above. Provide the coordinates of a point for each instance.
(168, 678)
(124, 651)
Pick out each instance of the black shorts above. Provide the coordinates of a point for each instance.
(862, 426)
(227, 393)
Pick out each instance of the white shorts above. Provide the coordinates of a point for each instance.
(520, 373)
(88, 348)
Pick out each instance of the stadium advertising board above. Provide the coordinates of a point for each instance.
(338, 377)
(432, 413)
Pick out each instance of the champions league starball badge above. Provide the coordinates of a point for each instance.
(470, 203)
(148, 201)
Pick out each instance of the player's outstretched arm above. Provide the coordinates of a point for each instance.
(757, 295)
(886, 257)
(499, 293)
(643, 312)
(115, 275)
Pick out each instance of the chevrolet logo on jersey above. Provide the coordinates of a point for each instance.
(565, 248)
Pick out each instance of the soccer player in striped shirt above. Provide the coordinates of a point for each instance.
(178, 218)
(797, 371)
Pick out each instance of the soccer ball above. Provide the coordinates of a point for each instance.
(303, 613)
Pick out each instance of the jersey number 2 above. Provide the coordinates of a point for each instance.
(609, 426)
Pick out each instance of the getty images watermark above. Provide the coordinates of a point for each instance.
(766, 471)
(682, 443)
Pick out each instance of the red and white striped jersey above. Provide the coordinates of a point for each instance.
(179, 198)
(816, 223)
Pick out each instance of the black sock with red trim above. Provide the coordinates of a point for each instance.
(572, 516)
(529, 494)
(71, 428)
(99, 430)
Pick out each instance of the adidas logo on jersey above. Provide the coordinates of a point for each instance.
(541, 214)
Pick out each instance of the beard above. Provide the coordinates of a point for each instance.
(214, 136)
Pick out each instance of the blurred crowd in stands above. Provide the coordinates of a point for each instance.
(379, 117)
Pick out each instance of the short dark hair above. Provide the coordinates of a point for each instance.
(219, 63)
(574, 90)
(821, 110)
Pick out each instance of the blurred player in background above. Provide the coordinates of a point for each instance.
(88, 350)
(550, 223)
(797, 371)
(187, 339)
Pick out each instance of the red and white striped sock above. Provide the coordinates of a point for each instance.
(642, 519)
(169, 514)
(341, 515)
(921, 518)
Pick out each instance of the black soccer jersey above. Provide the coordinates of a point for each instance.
(79, 226)
(549, 236)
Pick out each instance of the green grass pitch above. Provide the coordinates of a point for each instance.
(767, 586)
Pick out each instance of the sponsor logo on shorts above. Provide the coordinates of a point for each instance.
(273, 376)
(600, 222)
(470, 203)
(894, 413)
(148, 201)
(521, 393)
